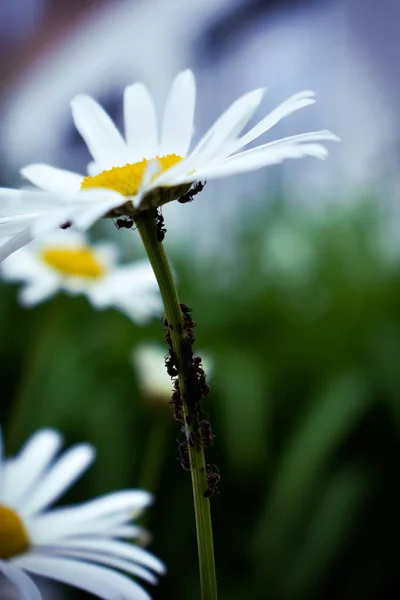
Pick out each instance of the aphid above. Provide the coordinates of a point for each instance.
(213, 480)
(125, 223)
(196, 189)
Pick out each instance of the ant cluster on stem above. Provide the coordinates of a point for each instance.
(197, 429)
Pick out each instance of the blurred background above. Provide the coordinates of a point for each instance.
(293, 273)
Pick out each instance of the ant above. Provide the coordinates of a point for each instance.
(66, 225)
(161, 230)
(191, 439)
(213, 479)
(126, 223)
(196, 189)
(206, 433)
(188, 322)
(171, 364)
(183, 456)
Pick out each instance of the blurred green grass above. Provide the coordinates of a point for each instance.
(300, 313)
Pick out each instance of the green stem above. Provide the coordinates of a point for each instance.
(38, 343)
(154, 455)
(162, 270)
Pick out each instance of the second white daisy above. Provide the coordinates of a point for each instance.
(64, 261)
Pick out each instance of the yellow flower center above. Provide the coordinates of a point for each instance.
(127, 179)
(73, 262)
(13, 536)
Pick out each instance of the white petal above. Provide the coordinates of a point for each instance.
(25, 470)
(140, 314)
(290, 141)
(22, 266)
(178, 118)
(132, 500)
(34, 293)
(148, 181)
(27, 589)
(285, 109)
(172, 175)
(270, 156)
(116, 548)
(93, 169)
(59, 478)
(130, 288)
(122, 507)
(215, 141)
(324, 135)
(130, 532)
(15, 243)
(10, 226)
(111, 561)
(103, 139)
(140, 123)
(68, 238)
(52, 219)
(93, 208)
(52, 179)
(64, 523)
(102, 582)
(82, 209)
(27, 203)
(228, 125)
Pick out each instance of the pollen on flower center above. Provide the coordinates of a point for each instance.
(13, 536)
(127, 179)
(75, 262)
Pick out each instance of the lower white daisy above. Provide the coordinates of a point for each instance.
(145, 169)
(63, 260)
(79, 545)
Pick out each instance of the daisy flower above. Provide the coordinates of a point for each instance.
(79, 545)
(64, 261)
(145, 170)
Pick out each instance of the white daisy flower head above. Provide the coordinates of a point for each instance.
(146, 169)
(85, 545)
(65, 261)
